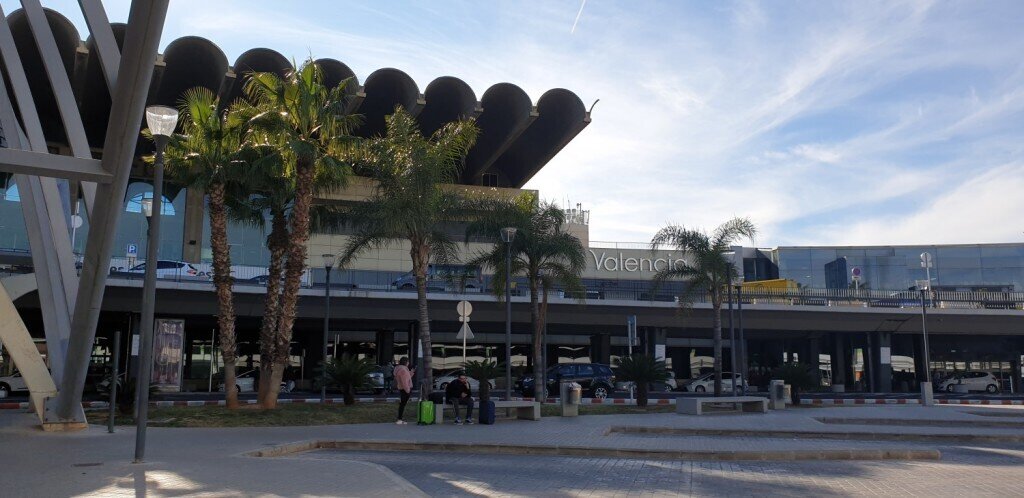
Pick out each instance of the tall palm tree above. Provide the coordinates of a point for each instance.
(308, 122)
(706, 268)
(414, 202)
(208, 156)
(541, 250)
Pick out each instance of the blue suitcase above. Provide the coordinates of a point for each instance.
(487, 412)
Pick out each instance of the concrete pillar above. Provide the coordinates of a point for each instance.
(192, 232)
(552, 354)
(1015, 373)
(813, 349)
(600, 348)
(921, 372)
(881, 359)
(680, 362)
(385, 346)
(840, 360)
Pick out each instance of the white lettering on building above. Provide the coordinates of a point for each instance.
(632, 264)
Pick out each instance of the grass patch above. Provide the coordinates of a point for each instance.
(287, 415)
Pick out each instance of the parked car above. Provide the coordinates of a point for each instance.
(445, 278)
(598, 380)
(245, 382)
(975, 381)
(170, 269)
(706, 382)
(441, 381)
(12, 384)
(669, 384)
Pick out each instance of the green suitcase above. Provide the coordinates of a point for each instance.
(425, 413)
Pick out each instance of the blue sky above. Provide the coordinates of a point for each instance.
(825, 122)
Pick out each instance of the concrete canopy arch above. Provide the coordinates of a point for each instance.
(448, 99)
(560, 117)
(385, 89)
(256, 60)
(507, 111)
(190, 61)
(95, 102)
(67, 39)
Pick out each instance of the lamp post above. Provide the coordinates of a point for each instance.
(926, 386)
(927, 264)
(743, 341)
(161, 121)
(732, 328)
(508, 234)
(329, 260)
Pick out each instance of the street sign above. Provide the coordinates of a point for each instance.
(132, 250)
(464, 308)
(465, 332)
(855, 273)
(631, 337)
(76, 221)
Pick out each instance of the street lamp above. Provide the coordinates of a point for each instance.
(926, 386)
(742, 339)
(732, 328)
(329, 260)
(507, 235)
(161, 121)
(927, 264)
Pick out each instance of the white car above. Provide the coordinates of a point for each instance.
(170, 269)
(975, 381)
(441, 382)
(670, 384)
(12, 384)
(706, 382)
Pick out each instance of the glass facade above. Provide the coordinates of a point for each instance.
(992, 267)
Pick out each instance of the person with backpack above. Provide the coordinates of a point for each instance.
(403, 381)
(458, 393)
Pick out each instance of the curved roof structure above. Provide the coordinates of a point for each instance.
(517, 137)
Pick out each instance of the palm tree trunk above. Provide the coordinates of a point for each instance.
(277, 243)
(222, 283)
(539, 382)
(716, 305)
(420, 261)
(294, 267)
(641, 394)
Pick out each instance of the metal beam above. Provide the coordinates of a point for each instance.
(53, 166)
(23, 351)
(103, 39)
(145, 24)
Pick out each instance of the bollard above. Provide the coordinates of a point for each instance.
(777, 395)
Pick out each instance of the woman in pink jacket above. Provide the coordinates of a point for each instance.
(403, 379)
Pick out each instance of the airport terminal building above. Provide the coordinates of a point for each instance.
(852, 312)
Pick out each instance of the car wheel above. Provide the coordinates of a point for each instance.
(699, 389)
(949, 388)
(992, 388)
(238, 388)
(600, 392)
(408, 287)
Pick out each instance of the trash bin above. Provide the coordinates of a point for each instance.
(571, 394)
(777, 395)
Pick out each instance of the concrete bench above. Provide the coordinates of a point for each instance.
(695, 406)
(525, 410)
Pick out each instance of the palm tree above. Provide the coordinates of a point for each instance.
(349, 374)
(414, 202)
(706, 269)
(483, 372)
(642, 370)
(542, 250)
(309, 124)
(208, 156)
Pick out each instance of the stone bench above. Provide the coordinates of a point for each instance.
(695, 406)
(525, 410)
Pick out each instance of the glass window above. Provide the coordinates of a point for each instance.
(566, 370)
(585, 370)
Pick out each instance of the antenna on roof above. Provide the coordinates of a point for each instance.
(592, 106)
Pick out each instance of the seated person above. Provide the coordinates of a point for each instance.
(458, 393)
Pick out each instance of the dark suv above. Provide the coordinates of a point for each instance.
(598, 380)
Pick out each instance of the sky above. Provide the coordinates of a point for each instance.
(825, 122)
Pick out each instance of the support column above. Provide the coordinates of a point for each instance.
(840, 360)
(1015, 373)
(813, 349)
(385, 346)
(192, 233)
(552, 355)
(681, 362)
(921, 372)
(600, 348)
(882, 361)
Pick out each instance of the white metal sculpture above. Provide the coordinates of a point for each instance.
(70, 302)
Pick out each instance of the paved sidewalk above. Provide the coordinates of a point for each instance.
(211, 461)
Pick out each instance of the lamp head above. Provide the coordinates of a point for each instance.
(161, 120)
(329, 260)
(507, 234)
(147, 206)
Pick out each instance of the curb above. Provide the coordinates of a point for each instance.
(908, 401)
(858, 436)
(592, 452)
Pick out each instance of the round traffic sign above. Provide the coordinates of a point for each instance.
(464, 308)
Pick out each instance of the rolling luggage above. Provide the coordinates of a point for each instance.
(425, 413)
(487, 412)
